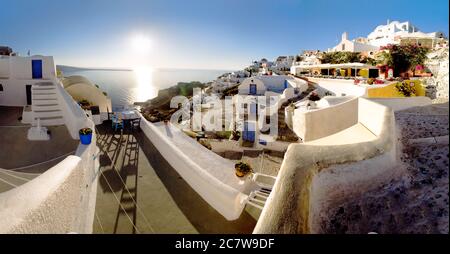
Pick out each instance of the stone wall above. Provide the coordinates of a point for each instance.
(437, 86)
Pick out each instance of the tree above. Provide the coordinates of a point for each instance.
(341, 57)
(401, 58)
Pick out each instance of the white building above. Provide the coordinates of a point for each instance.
(356, 45)
(18, 74)
(392, 32)
(265, 93)
(283, 63)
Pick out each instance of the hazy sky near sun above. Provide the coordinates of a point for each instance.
(214, 34)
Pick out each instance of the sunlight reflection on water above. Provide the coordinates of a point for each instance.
(144, 89)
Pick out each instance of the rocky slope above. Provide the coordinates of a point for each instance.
(437, 86)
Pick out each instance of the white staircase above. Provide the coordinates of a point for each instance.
(258, 198)
(45, 105)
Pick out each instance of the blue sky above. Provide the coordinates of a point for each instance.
(214, 34)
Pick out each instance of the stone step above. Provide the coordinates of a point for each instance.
(44, 107)
(47, 113)
(51, 121)
(254, 204)
(40, 102)
(43, 92)
(44, 88)
(44, 84)
(44, 96)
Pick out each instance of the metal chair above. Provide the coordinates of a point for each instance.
(135, 124)
(117, 122)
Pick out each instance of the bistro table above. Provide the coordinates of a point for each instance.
(128, 116)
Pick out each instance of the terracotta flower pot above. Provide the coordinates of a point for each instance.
(239, 173)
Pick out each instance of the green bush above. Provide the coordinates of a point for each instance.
(223, 134)
(341, 57)
(85, 131)
(406, 89)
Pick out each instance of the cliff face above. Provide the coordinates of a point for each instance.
(437, 86)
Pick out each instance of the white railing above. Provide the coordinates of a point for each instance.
(74, 116)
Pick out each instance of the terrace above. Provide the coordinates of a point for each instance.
(140, 192)
(21, 159)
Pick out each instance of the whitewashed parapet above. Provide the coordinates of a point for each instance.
(288, 208)
(74, 116)
(228, 201)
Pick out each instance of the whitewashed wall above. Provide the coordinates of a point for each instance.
(91, 93)
(14, 91)
(20, 67)
(292, 204)
(228, 201)
(16, 73)
(244, 88)
(315, 124)
(74, 116)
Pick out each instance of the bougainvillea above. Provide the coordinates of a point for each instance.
(401, 58)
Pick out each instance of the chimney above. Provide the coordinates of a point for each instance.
(388, 21)
(344, 36)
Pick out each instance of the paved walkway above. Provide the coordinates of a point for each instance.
(139, 192)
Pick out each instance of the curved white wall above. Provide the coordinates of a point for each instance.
(227, 200)
(290, 206)
(91, 93)
(80, 88)
(315, 124)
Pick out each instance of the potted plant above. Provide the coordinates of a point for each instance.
(242, 169)
(314, 96)
(85, 136)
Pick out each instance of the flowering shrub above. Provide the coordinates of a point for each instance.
(406, 89)
(242, 169)
(85, 131)
(379, 81)
(401, 58)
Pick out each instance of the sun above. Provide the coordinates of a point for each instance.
(141, 44)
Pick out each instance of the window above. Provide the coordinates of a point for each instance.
(1, 88)
(343, 47)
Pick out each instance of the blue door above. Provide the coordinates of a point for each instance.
(36, 68)
(252, 89)
(249, 132)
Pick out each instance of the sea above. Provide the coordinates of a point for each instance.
(125, 87)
